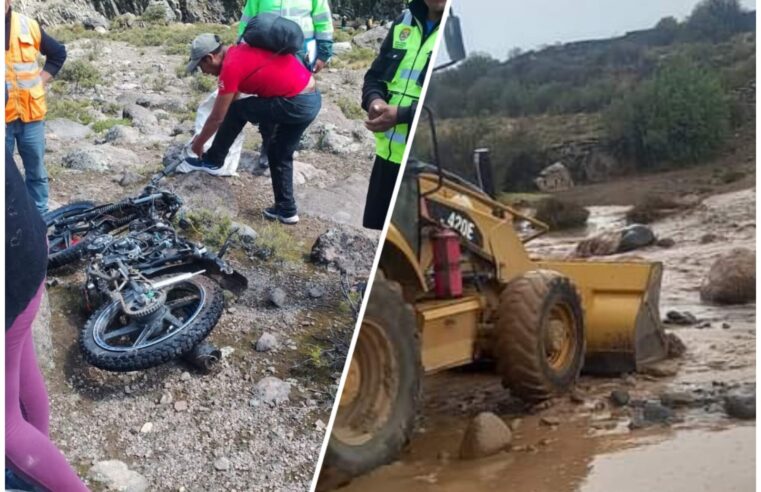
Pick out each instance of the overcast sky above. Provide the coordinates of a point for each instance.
(496, 26)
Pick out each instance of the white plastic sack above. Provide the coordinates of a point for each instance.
(232, 160)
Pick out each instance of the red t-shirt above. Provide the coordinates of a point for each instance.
(275, 75)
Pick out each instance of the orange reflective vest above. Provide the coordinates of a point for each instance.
(26, 93)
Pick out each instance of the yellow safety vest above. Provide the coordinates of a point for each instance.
(23, 84)
(406, 86)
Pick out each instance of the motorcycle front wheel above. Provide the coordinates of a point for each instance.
(113, 341)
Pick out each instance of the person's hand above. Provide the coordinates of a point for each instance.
(318, 65)
(376, 109)
(46, 77)
(382, 117)
(197, 147)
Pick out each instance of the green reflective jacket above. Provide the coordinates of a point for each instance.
(412, 52)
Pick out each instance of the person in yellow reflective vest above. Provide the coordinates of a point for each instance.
(390, 96)
(25, 105)
(316, 22)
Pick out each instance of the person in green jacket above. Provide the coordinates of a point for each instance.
(316, 22)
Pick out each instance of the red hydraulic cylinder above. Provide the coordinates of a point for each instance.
(447, 275)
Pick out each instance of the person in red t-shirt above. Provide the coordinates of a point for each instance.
(286, 96)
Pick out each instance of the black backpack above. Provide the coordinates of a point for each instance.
(274, 33)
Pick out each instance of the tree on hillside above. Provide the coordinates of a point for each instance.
(679, 116)
(667, 30)
(715, 20)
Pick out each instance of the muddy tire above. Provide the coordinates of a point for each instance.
(381, 395)
(201, 315)
(539, 335)
(61, 254)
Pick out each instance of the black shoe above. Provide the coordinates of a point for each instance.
(271, 213)
(196, 162)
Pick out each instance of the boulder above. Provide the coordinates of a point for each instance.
(629, 238)
(344, 249)
(741, 406)
(122, 135)
(100, 158)
(115, 475)
(160, 101)
(142, 118)
(556, 177)
(306, 173)
(202, 191)
(371, 39)
(559, 214)
(66, 130)
(94, 21)
(341, 48)
(486, 435)
(731, 279)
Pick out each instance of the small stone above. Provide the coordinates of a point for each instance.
(515, 424)
(222, 464)
(128, 390)
(665, 242)
(146, 428)
(116, 475)
(725, 326)
(660, 370)
(319, 425)
(226, 352)
(266, 343)
(550, 421)
(677, 399)
(181, 406)
(277, 297)
(166, 399)
(577, 397)
(680, 318)
(629, 380)
(657, 413)
(708, 238)
(185, 376)
(315, 292)
(52, 281)
(619, 397)
(272, 390)
(486, 435)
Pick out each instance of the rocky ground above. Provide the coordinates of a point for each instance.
(682, 425)
(258, 421)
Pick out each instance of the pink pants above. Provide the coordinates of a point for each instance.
(28, 449)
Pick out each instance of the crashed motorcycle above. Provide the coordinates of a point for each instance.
(154, 296)
(72, 226)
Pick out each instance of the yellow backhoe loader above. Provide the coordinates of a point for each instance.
(455, 285)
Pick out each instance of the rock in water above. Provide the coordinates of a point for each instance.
(115, 475)
(635, 236)
(486, 435)
(731, 279)
(741, 406)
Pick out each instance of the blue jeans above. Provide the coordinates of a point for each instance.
(30, 138)
(289, 117)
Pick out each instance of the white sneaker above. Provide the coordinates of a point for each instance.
(271, 213)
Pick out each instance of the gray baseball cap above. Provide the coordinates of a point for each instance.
(201, 46)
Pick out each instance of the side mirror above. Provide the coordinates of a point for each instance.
(482, 163)
(453, 38)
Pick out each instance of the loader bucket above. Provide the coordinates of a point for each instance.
(622, 322)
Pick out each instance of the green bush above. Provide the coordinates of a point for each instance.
(203, 83)
(357, 58)
(105, 125)
(81, 73)
(680, 116)
(155, 14)
(350, 108)
(72, 109)
(715, 20)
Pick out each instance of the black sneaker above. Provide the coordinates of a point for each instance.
(196, 162)
(271, 213)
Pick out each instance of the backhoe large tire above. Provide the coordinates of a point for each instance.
(381, 396)
(540, 340)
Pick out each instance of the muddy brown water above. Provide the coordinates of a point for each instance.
(592, 450)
